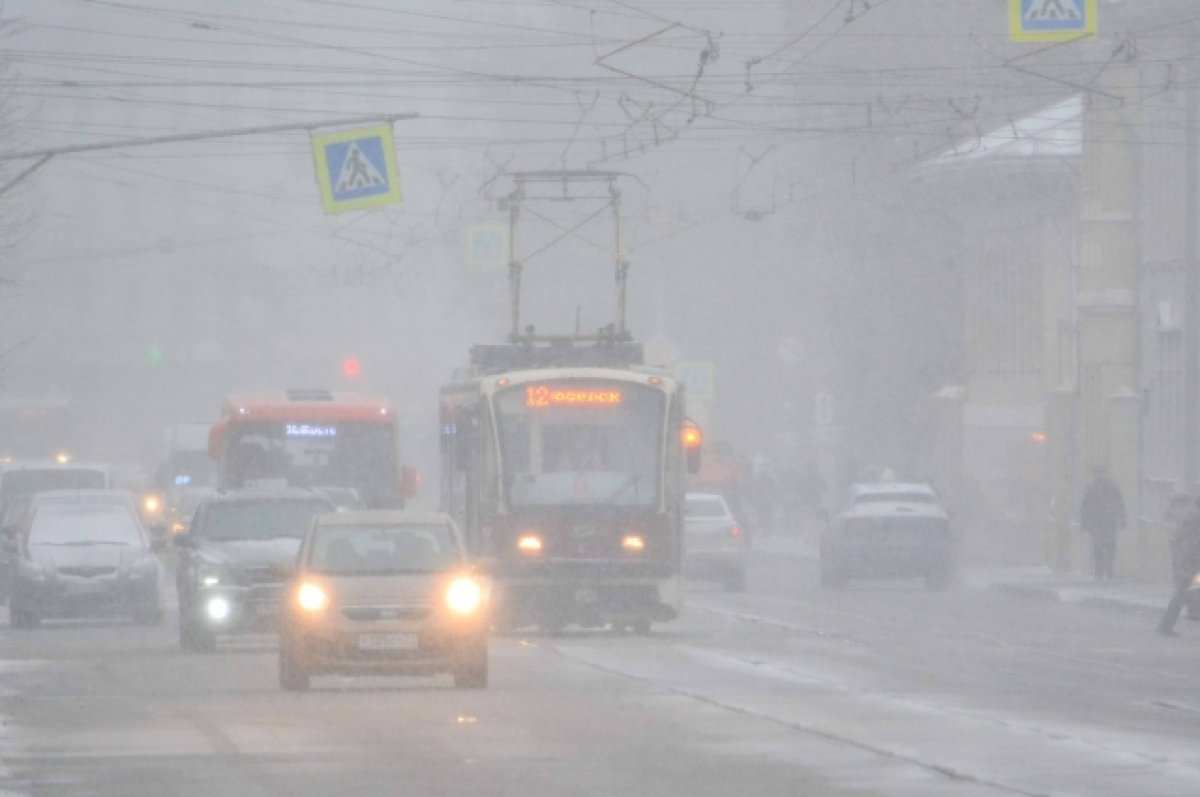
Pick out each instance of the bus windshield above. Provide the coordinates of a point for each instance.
(344, 454)
(580, 442)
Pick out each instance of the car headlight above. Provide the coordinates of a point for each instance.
(211, 576)
(464, 596)
(218, 609)
(31, 570)
(311, 598)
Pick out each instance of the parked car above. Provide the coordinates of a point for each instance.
(82, 553)
(714, 543)
(889, 530)
(384, 592)
(233, 560)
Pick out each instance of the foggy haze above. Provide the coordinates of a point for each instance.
(887, 241)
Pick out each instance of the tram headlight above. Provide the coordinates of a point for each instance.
(529, 543)
(633, 543)
(464, 596)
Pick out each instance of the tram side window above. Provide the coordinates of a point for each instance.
(673, 479)
(489, 481)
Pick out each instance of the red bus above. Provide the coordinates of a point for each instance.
(312, 438)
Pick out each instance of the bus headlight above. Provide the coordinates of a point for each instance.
(311, 598)
(633, 543)
(529, 543)
(464, 596)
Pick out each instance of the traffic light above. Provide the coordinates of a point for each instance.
(351, 366)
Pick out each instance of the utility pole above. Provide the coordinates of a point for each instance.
(1191, 296)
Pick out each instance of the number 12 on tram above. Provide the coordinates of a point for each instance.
(568, 482)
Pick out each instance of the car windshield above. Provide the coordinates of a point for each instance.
(260, 520)
(896, 525)
(34, 480)
(704, 507)
(372, 549)
(95, 525)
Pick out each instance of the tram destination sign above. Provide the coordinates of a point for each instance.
(539, 396)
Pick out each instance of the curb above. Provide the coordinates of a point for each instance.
(1056, 595)
(1117, 603)
(1048, 594)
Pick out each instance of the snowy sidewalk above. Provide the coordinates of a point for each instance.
(1031, 581)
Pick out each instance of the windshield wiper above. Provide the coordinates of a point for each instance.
(624, 488)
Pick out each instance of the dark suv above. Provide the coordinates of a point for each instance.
(234, 558)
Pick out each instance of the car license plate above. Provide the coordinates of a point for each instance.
(387, 641)
(87, 587)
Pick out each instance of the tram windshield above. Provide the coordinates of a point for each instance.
(581, 442)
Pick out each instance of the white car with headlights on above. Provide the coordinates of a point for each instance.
(384, 592)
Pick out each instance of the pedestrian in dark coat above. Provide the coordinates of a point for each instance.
(1102, 516)
(1185, 562)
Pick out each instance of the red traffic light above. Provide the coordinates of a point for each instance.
(351, 366)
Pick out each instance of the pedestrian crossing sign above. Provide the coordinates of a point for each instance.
(1051, 20)
(356, 168)
(487, 246)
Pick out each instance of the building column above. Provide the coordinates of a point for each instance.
(1107, 288)
(1125, 463)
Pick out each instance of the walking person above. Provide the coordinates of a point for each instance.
(1102, 516)
(1185, 562)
